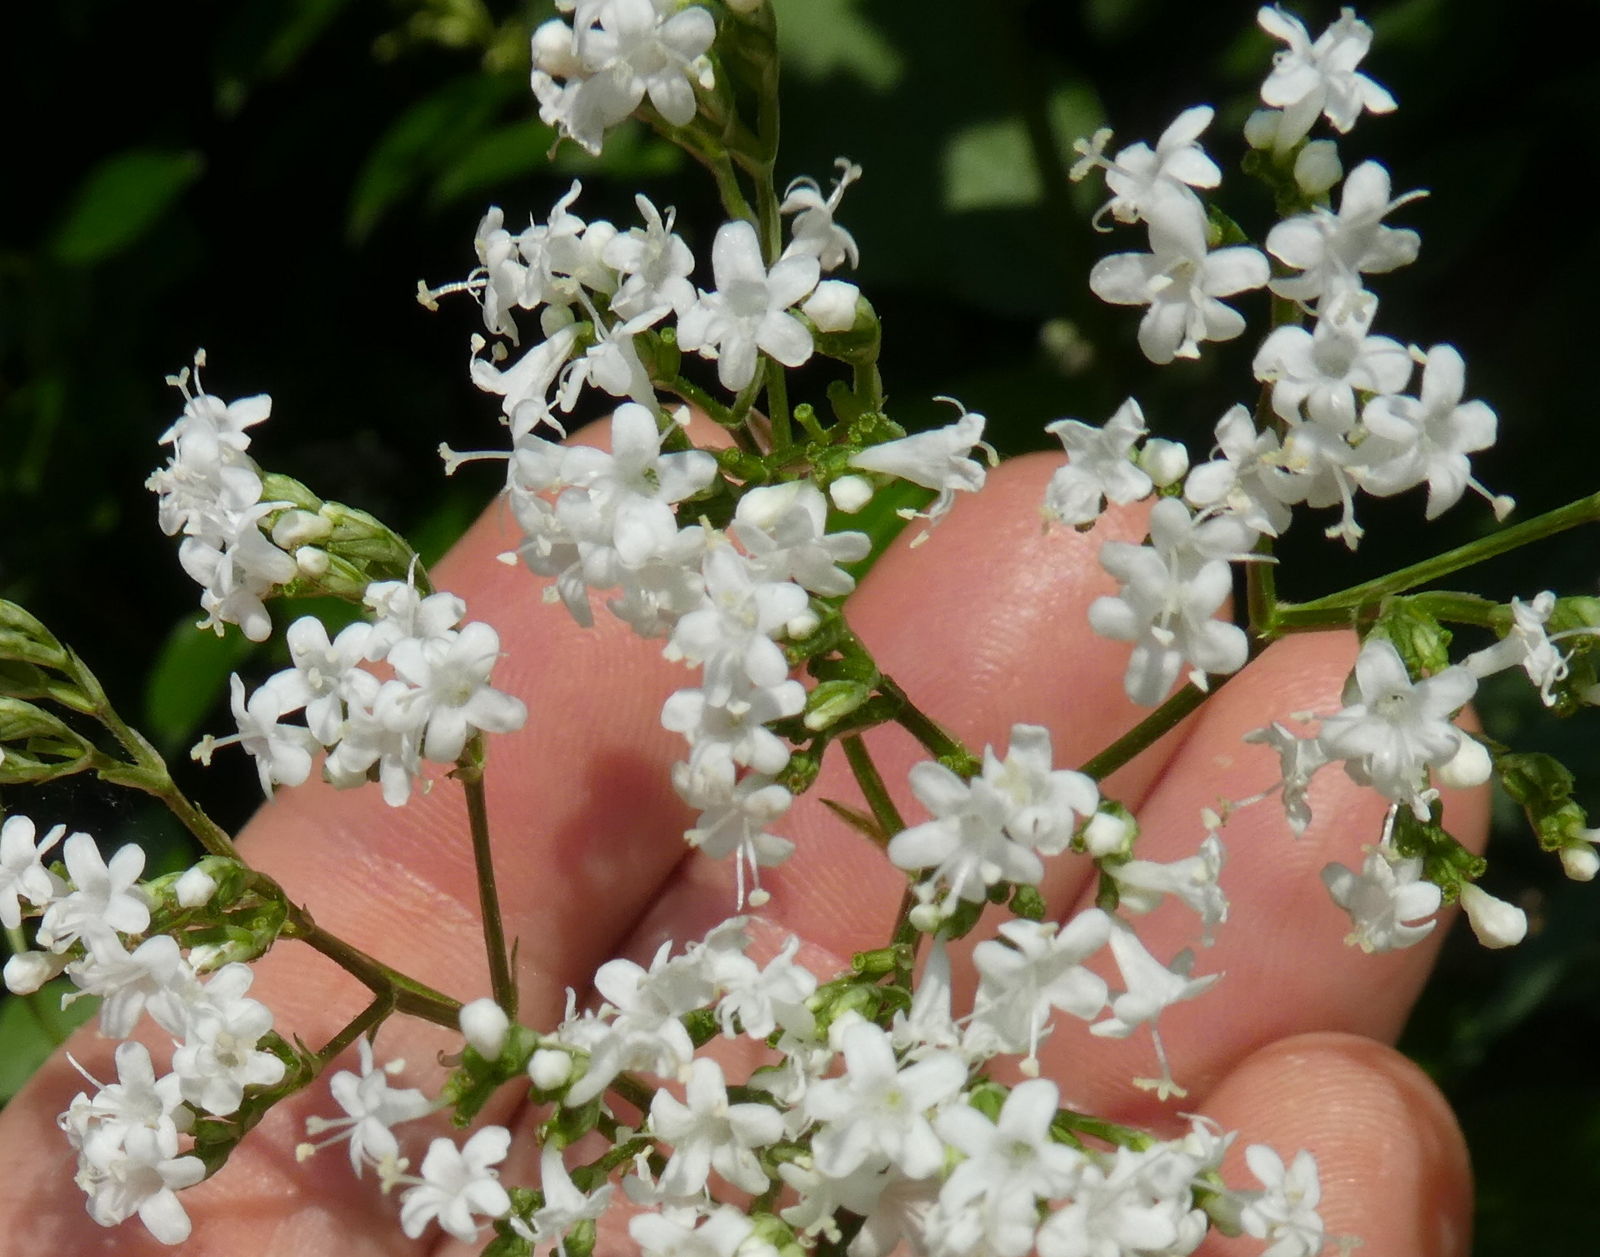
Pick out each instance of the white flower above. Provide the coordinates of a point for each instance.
(1286, 1212)
(1181, 284)
(732, 635)
(965, 845)
(1166, 604)
(719, 1235)
(154, 974)
(1155, 186)
(372, 1107)
(654, 264)
(1100, 466)
(23, 875)
(708, 1133)
(282, 752)
(939, 459)
(1526, 644)
(1044, 803)
(621, 51)
(1299, 758)
(458, 1183)
(1309, 79)
(783, 528)
(1334, 250)
(1010, 1163)
(452, 697)
(1036, 968)
(814, 232)
(1320, 372)
(1388, 892)
(1249, 480)
(564, 1205)
(1431, 436)
(219, 1057)
(749, 311)
(1141, 884)
(876, 1111)
(105, 897)
(1398, 730)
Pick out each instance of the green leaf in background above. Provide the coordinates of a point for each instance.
(819, 38)
(32, 1027)
(264, 39)
(425, 140)
(990, 164)
(189, 676)
(120, 199)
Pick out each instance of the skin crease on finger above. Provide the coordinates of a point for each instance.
(1017, 623)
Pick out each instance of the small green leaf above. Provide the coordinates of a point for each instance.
(189, 677)
(32, 1027)
(120, 200)
(822, 38)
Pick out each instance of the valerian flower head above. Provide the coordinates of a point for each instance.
(1332, 250)
(1100, 466)
(620, 52)
(1182, 285)
(749, 311)
(1397, 730)
(1309, 79)
(940, 459)
(1388, 892)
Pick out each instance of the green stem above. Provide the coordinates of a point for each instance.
(469, 772)
(408, 994)
(872, 787)
(1299, 615)
(371, 1015)
(778, 406)
(939, 743)
(1161, 721)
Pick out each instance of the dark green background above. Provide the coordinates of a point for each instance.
(269, 179)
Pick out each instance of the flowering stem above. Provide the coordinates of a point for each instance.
(373, 1014)
(406, 994)
(778, 406)
(872, 787)
(1161, 721)
(469, 772)
(922, 727)
(1298, 616)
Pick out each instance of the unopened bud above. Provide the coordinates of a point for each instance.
(1165, 462)
(1317, 167)
(550, 1069)
(552, 49)
(1580, 863)
(1469, 766)
(1106, 834)
(27, 971)
(1495, 922)
(832, 306)
(484, 1025)
(850, 493)
(298, 528)
(194, 888)
(1261, 128)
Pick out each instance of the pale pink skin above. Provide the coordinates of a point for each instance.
(1298, 1019)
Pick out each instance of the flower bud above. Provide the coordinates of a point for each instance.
(1165, 462)
(194, 888)
(1107, 834)
(484, 1025)
(850, 493)
(1261, 128)
(552, 50)
(1469, 766)
(1580, 863)
(27, 971)
(832, 306)
(298, 528)
(1317, 167)
(1494, 921)
(550, 1069)
(311, 561)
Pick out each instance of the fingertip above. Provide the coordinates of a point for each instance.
(1391, 1158)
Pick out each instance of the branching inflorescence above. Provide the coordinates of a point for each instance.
(877, 1110)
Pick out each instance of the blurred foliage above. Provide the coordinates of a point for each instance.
(269, 179)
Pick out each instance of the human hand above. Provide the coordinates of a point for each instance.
(983, 625)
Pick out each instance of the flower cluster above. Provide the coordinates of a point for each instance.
(210, 491)
(94, 922)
